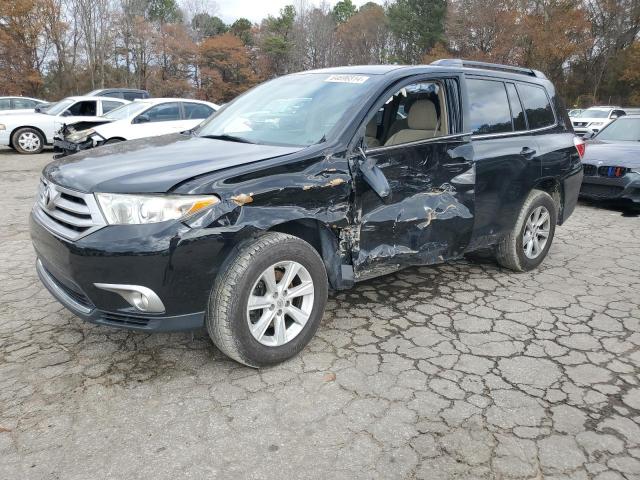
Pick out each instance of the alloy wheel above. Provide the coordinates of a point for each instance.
(29, 141)
(536, 232)
(280, 303)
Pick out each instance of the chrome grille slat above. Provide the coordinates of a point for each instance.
(73, 207)
(72, 217)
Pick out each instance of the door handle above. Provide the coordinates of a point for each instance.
(527, 152)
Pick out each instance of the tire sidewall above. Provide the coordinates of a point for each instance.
(541, 199)
(250, 349)
(17, 146)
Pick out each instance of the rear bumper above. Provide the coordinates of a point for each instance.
(624, 189)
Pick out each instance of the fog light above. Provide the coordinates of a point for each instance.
(139, 297)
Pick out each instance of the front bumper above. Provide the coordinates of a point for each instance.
(65, 147)
(176, 262)
(624, 189)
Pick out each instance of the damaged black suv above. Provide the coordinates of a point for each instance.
(311, 181)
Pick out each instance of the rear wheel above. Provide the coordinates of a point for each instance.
(27, 140)
(527, 245)
(268, 301)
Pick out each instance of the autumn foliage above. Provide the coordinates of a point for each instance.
(53, 48)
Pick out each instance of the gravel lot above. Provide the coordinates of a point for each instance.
(459, 371)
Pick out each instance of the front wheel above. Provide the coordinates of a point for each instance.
(27, 141)
(268, 301)
(526, 246)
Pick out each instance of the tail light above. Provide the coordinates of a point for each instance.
(581, 146)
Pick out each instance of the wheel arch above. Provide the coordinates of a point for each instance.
(323, 239)
(553, 187)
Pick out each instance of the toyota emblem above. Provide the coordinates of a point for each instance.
(49, 197)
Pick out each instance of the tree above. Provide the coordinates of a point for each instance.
(226, 68)
(278, 41)
(343, 11)
(207, 26)
(363, 38)
(241, 28)
(164, 11)
(416, 25)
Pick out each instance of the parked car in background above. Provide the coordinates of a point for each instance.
(594, 119)
(124, 93)
(139, 119)
(612, 163)
(242, 226)
(30, 132)
(19, 104)
(574, 112)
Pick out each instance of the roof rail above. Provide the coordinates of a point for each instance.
(458, 62)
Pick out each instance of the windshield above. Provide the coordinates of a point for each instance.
(295, 110)
(59, 107)
(126, 111)
(622, 130)
(594, 113)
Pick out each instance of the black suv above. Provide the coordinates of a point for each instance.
(311, 181)
(130, 94)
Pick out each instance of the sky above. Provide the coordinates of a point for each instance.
(256, 10)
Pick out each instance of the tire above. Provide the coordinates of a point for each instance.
(229, 321)
(27, 141)
(511, 252)
(112, 141)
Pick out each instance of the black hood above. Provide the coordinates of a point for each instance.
(153, 165)
(613, 154)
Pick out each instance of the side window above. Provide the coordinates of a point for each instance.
(112, 94)
(489, 110)
(517, 114)
(5, 104)
(166, 112)
(131, 96)
(193, 111)
(415, 112)
(84, 109)
(23, 103)
(536, 105)
(108, 105)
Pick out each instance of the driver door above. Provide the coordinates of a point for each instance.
(427, 161)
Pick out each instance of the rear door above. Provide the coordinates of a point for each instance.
(424, 155)
(160, 119)
(506, 156)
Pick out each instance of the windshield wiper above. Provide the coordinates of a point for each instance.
(230, 138)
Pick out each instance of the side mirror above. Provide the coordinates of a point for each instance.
(374, 176)
(614, 116)
(142, 119)
(66, 113)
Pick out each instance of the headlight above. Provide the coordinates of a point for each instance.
(80, 136)
(2, 126)
(121, 209)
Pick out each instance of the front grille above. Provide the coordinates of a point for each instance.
(590, 170)
(612, 172)
(65, 212)
(124, 320)
(579, 124)
(600, 190)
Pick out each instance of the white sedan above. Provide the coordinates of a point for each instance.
(30, 132)
(19, 104)
(149, 117)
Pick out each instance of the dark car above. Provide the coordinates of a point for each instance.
(612, 163)
(130, 94)
(242, 228)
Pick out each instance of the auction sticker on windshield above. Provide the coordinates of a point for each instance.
(347, 78)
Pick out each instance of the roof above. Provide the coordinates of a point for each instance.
(86, 97)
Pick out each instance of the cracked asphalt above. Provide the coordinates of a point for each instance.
(463, 370)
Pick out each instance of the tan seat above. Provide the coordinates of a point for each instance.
(370, 134)
(422, 122)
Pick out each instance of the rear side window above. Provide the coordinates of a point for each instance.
(489, 107)
(107, 106)
(517, 114)
(195, 111)
(537, 106)
(131, 96)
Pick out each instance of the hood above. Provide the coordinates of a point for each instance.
(155, 164)
(614, 154)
